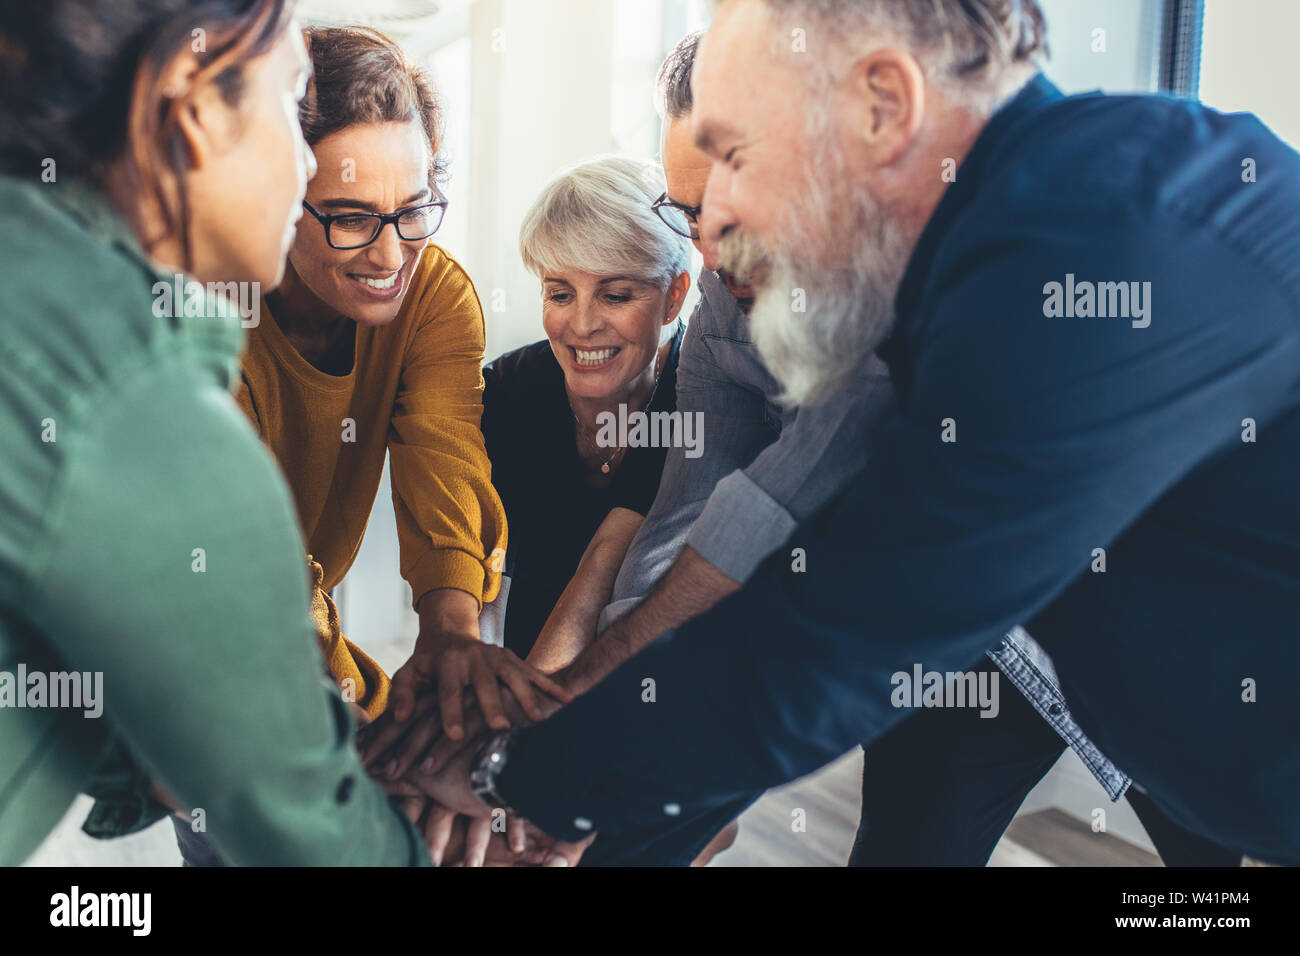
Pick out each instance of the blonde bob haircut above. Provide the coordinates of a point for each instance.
(597, 217)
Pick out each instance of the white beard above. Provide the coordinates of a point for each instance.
(849, 308)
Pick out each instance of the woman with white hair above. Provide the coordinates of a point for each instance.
(613, 280)
(575, 485)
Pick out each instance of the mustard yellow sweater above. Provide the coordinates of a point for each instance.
(415, 391)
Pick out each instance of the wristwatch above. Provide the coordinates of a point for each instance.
(488, 763)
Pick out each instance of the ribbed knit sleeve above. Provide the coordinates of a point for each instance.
(450, 522)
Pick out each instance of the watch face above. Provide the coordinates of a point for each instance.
(492, 760)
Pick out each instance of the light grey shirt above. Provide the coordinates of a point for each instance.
(764, 468)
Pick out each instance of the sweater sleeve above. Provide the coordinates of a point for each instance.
(451, 525)
(173, 567)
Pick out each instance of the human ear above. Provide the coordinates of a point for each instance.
(203, 118)
(677, 296)
(886, 103)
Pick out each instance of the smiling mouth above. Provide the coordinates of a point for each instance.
(380, 284)
(591, 358)
(380, 287)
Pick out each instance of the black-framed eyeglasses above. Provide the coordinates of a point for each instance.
(352, 230)
(679, 217)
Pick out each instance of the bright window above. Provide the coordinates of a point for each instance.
(1249, 61)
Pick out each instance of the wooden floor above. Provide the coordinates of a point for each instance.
(831, 800)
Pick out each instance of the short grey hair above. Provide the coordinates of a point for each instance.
(979, 52)
(674, 80)
(596, 217)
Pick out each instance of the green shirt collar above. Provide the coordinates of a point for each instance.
(88, 204)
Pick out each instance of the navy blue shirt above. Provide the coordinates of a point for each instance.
(1128, 434)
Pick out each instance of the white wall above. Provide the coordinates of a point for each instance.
(1249, 61)
(554, 83)
(1123, 58)
(540, 100)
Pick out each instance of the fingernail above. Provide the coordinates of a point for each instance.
(556, 861)
(391, 770)
(427, 766)
(437, 859)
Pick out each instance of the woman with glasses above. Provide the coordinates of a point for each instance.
(372, 345)
(150, 563)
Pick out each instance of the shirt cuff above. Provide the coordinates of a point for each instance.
(741, 525)
(124, 800)
(566, 774)
(452, 568)
(550, 801)
(615, 610)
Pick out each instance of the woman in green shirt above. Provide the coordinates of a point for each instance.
(148, 546)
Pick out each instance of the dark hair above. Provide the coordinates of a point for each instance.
(361, 76)
(675, 77)
(83, 84)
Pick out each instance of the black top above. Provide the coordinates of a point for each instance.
(551, 511)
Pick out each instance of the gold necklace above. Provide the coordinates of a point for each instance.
(607, 465)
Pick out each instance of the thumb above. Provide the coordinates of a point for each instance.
(359, 714)
(408, 680)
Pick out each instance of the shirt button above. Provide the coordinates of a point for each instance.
(344, 792)
(582, 823)
(1056, 709)
(1003, 644)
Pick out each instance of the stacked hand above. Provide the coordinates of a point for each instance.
(421, 749)
(452, 662)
